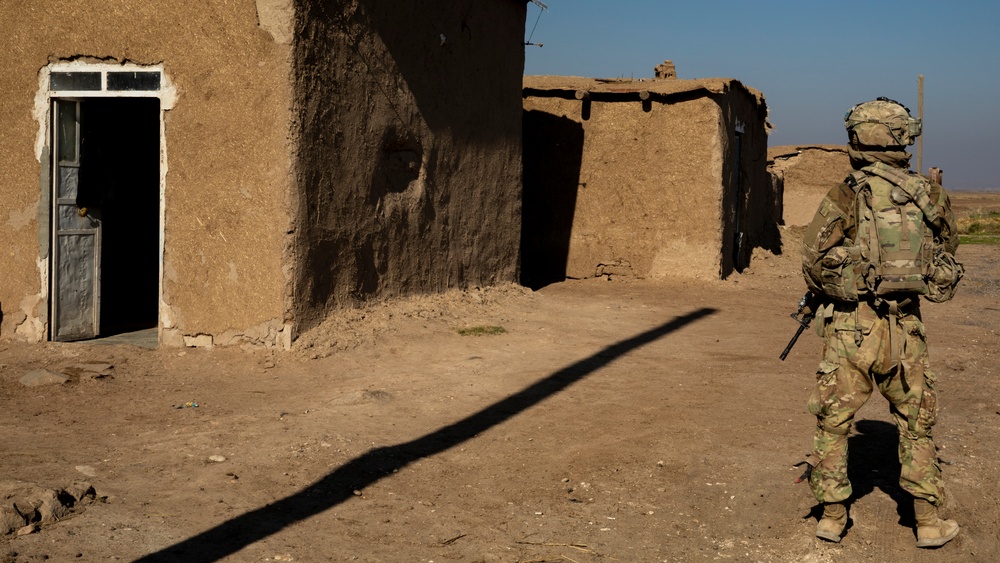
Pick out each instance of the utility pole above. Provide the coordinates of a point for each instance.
(920, 112)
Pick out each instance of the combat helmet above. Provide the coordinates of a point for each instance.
(881, 123)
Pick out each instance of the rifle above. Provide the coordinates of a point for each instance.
(807, 310)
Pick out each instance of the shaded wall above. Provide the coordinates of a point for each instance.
(553, 154)
(752, 205)
(409, 169)
(227, 156)
(649, 196)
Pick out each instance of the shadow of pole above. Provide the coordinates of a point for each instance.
(338, 486)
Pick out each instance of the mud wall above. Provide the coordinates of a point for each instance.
(809, 172)
(751, 203)
(227, 157)
(648, 197)
(409, 174)
(21, 290)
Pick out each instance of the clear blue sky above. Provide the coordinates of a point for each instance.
(812, 60)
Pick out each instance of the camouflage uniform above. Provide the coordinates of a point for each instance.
(870, 344)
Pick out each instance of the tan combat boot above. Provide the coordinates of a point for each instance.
(833, 522)
(932, 531)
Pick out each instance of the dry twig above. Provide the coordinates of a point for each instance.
(454, 539)
(577, 546)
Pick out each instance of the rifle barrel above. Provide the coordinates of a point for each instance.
(798, 333)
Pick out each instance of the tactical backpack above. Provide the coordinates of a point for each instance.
(895, 239)
(895, 255)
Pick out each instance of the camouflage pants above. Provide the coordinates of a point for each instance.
(861, 350)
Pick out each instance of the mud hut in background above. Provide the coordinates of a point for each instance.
(643, 178)
(808, 172)
(229, 172)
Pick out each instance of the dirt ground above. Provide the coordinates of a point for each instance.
(613, 420)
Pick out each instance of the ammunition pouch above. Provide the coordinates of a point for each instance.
(844, 274)
(944, 276)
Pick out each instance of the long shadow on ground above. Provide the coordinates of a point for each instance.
(336, 487)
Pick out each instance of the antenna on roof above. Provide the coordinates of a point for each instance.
(544, 8)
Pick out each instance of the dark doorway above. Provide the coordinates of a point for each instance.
(120, 177)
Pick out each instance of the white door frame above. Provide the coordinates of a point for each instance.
(78, 80)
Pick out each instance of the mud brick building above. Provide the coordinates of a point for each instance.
(644, 178)
(229, 172)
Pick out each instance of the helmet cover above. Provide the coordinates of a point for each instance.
(881, 123)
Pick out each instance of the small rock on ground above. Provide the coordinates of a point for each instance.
(37, 377)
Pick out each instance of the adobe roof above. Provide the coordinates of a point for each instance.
(628, 89)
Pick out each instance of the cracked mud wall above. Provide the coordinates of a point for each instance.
(228, 154)
(409, 168)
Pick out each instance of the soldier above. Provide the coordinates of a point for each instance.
(878, 242)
